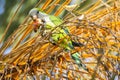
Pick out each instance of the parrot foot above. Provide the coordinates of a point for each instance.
(75, 44)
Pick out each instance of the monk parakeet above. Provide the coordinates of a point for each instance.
(59, 35)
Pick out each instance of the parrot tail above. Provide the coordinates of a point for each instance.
(76, 58)
(75, 44)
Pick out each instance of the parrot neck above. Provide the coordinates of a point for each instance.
(46, 18)
(42, 15)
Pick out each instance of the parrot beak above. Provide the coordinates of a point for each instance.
(34, 18)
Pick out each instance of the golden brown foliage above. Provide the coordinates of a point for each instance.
(33, 56)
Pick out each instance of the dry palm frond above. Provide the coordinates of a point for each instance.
(33, 56)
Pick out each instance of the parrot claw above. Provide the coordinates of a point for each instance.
(75, 44)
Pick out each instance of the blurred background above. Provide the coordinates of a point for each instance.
(8, 8)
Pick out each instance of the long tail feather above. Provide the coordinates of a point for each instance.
(76, 58)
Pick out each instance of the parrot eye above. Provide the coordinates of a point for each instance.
(37, 12)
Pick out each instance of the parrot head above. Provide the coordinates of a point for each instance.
(37, 18)
(34, 13)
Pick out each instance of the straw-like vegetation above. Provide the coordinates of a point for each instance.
(33, 56)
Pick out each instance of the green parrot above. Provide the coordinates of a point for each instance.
(59, 36)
